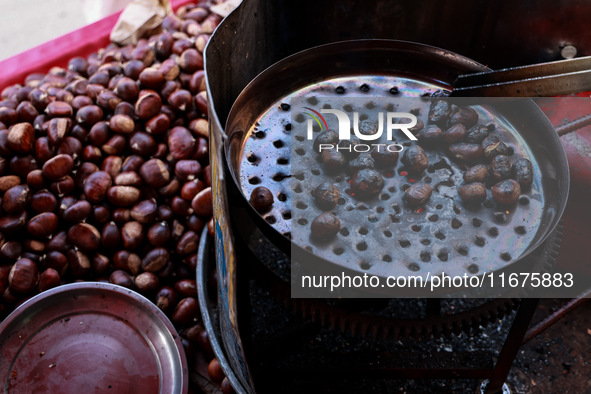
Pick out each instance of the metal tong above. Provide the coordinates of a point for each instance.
(537, 80)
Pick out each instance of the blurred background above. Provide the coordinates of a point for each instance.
(25, 24)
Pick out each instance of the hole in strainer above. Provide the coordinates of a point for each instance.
(315, 171)
(426, 241)
(361, 246)
(252, 158)
(282, 161)
(479, 241)
(380, 209)
(302, 222)
(387, 258)
(414, 267)
(388, 233)
(472, 268)
(456, 223)
(286, 215)
(363, 230)
(405, 243)
(364, 265)
(476, 222)
(384, 196)
(439, 235)
(489, 204)
(260, 134)
(520, 230)
(300, 151)
(338, 251)
(493, 231)
(433, 218)
(523, 200)
(255, 180)
(438, 206)
(506, 256)
(298, 188)
(278, 144)
(299, 176)
(425, 257)
(463, 250)
(416, 228)
(271, 219)
(301, 205)
(279, 177)
(341, 201)
(344, 232)
(443, 254)
(282, 197)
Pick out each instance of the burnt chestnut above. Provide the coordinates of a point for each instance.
(325, 226)
(522, 171)
(473, 193)
(430, 134)
(261, 199)
(348, 147)
(454, 133)
(493, 147)
(384, 157)
(500, 168)
(415, 159)
(360, 163)
(477, 173)
(465, 152)
(466, 116)
(439, 112)
(366, 183)
(476, 134)
(326, 137)
(506, 192)
(418, 194)
(333, 161)
(326, 196)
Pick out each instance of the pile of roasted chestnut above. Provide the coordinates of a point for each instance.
(104, 174)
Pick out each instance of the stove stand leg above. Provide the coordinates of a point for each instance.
(523, 317)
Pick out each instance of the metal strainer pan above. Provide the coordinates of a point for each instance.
(453, 238)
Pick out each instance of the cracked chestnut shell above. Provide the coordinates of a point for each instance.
(326, 137)
(366, 183)
(523, 172)
(477, 173)
(326, 196)
(463, 115)
(415, 159)
(500, 168)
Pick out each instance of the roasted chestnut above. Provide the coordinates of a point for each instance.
(523, 172)
(500, 168)
(325, 226)
(506, 192)
(366, 183)
(473, 193)
(415, 159)
(418, 194)
(326, 196)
